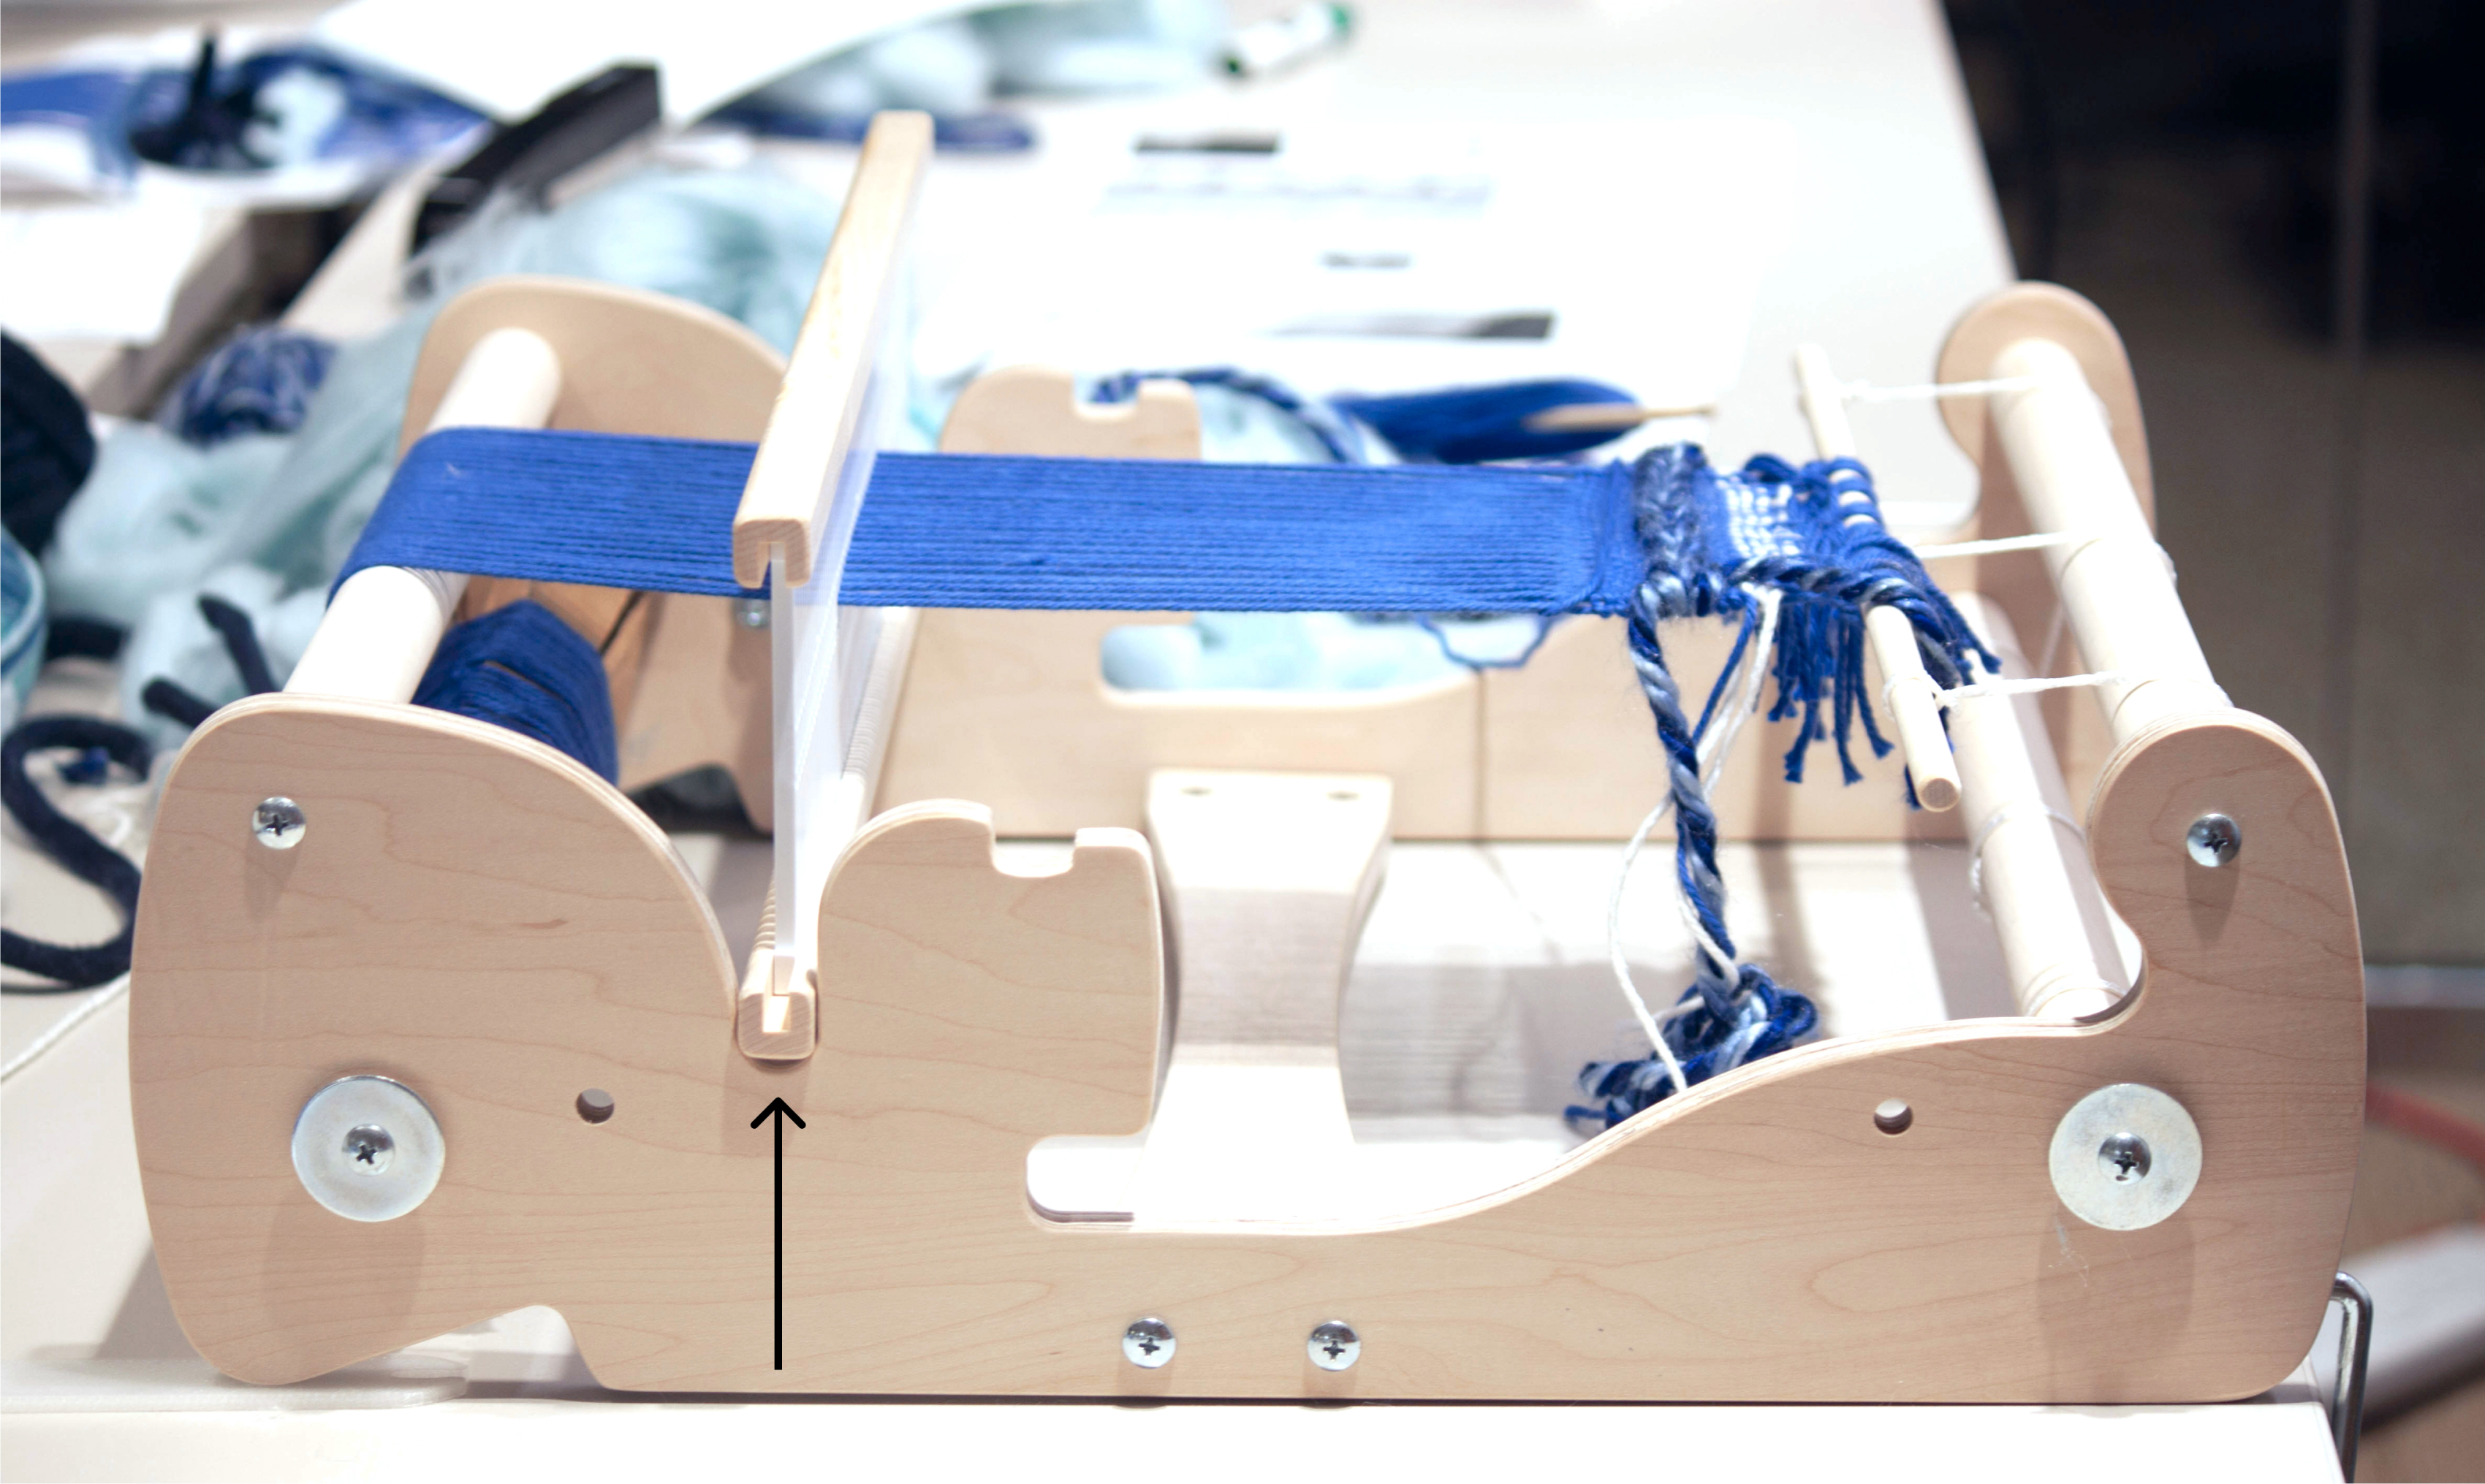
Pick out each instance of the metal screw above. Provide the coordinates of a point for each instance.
(2213, 840)
(1148, 1343)
(278, 823)
(750, 612)
(368, 1147)
(1334, 1346)
(2124, 1158)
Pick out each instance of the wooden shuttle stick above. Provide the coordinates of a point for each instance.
(1602, 416)
(382, 626)
(2115, 585)
(1908, 687)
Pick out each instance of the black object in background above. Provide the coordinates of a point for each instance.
(74, 847)
(206, 134)
(528, 156)
(47, 445)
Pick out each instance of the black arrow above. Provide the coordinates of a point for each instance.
(777, 1110)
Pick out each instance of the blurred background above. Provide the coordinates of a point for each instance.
(2281, 206)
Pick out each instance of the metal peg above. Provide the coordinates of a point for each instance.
(278, 823)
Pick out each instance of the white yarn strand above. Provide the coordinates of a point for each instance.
(1986, 687)
(1999, 545)
(1925, 391)
(95, 1003)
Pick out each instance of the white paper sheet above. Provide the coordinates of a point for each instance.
(508, 60)
(1162, 262)
(104, 272)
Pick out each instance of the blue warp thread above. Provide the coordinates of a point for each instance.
(523, 669)
(998, 531)
(1664, 537)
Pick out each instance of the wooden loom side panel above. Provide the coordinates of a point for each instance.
(476, 917)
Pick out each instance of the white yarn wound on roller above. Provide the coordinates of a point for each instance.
(2016, 809)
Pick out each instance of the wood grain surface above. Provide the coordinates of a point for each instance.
(476, 917)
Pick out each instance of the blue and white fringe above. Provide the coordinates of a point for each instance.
(1810, 545)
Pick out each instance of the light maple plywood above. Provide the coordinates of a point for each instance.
(631, 362)
(812, 423)
(2033, 310)
(1266, 881)
(478, 918)
(1035, 409)
(1011, 710)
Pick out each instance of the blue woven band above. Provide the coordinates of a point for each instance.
(980, 531)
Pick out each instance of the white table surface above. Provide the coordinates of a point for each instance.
(1887, 233)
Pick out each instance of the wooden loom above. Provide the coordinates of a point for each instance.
(480, 919)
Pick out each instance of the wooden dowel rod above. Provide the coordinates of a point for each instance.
(378, 634)
(2115, 582)
(2033, 867)
(1908, 689)
(1603, 417)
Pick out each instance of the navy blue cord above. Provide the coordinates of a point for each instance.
(74, 847)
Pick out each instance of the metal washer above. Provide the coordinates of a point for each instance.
(324, 1148)
(2081, 1177)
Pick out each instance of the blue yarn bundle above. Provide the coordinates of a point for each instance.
(523, 669)
(1450, 425)
(1484, 424)
(1714, 542)
(259, 381)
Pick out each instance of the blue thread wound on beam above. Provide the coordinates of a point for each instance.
(522, 667)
